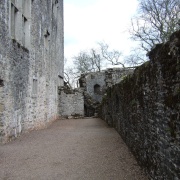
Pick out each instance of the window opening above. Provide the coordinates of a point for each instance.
(97, 89)
(25, 26)
(46, 39)
(35, 86)
(20, 21)
(14, 16)
(92, 76)
(1, 83)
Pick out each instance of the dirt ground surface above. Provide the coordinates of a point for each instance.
(80, 149)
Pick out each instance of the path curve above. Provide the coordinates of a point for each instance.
(80, 149)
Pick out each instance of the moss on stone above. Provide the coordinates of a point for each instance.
(172, 100)
(133, 102)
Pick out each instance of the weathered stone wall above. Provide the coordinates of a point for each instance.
(95, 85)
(71, 103)
(90, 80)
(145, 110)
(31, 67)
(103, 79)
(116, 75)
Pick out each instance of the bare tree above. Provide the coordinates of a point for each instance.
(86, 61)
(155, 21)
(96, 60)
(67, 78)
(71, 77)
(83, 62)
(112, 56)
(70, 74)
(135, 58)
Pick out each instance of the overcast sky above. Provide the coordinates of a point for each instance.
(87, 22)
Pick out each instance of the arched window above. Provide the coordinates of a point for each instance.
(97, 89)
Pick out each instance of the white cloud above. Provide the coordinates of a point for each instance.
(88, 22)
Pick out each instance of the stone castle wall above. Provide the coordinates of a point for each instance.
(145, 109)
(90, 80)
(95, 85)
(71, 103)
(116, 75)
(31, 64)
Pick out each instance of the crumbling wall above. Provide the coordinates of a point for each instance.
(91, 106)
(71, 103)
(90, 81)
(103, 79)
(145, 109)
(116, 75)
(31, 64)
(95, 85)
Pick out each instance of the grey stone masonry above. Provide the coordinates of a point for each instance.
(145, 109)
(31, 64)
(116, 75)
(71, 103)
(95, 83)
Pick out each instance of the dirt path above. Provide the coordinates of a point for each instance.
(81, 149)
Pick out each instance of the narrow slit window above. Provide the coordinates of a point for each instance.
(1, 83)
(14, 16)
(25, 28)
(46, 40)
(35, 86)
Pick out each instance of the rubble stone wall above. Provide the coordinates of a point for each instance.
(93, 79)
(71, 104)
(116, 75)
(145, 109)
(31, 64)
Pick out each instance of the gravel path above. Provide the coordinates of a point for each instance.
(81, 149)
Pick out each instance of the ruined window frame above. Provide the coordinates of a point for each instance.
(97, 89)
(20, 21)
(35, 86)
(14, 17)
(1, 83)
(46, 40)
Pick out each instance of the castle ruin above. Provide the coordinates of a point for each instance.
(31, 64)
